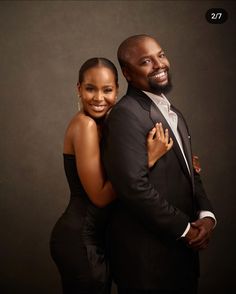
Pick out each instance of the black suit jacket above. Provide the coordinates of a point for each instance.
(154, 205)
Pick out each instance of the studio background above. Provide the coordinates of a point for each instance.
(42, 46)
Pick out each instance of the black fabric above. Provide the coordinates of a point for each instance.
(78, 241)
(191, 288)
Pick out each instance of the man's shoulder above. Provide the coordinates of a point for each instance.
(128, 109)
(133, 100)
(124, 100)
(127, 104)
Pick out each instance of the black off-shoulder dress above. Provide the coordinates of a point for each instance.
(78, 240)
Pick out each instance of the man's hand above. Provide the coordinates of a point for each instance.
(205, 227)
(191, 235)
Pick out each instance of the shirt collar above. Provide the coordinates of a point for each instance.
(158, 99)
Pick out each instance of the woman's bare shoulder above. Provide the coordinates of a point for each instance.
(81, 130)
(82, 122)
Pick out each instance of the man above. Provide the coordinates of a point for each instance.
(163, 216)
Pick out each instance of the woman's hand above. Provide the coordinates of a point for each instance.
(196, 164)
(158, 143)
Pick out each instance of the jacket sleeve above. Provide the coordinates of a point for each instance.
(125, 160)
(203, 203)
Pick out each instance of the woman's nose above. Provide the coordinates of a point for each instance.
(98, 96)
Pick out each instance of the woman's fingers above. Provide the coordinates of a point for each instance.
(163, 136)
(158, 132)
(161, 131)
(196, 164)
(166, 136)
(170, 144)
(151, 134)
(168, 141)
(158, 143)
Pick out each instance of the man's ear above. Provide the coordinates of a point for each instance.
(126, 74)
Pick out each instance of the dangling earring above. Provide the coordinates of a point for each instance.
(79, 103)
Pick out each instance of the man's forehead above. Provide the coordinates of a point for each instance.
(141, 47)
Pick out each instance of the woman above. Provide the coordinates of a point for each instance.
(78, 238)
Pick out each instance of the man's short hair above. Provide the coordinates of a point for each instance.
(126, 45)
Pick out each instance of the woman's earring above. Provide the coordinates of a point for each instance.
(78, 103)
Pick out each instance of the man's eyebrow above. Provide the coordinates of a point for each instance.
(144, 56)
(148, 56)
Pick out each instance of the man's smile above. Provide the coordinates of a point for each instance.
(160, 75)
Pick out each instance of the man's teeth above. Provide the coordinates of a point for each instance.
(160, 75)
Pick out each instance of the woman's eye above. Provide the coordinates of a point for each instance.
(109, 90)
(89, 89)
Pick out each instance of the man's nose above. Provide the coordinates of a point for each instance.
(157, 63)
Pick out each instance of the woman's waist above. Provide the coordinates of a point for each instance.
(92, 217)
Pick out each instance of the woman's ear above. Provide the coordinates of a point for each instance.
(78, 87)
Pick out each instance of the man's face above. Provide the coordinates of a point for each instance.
(147, 67)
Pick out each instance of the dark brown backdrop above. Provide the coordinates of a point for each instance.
(42, 45)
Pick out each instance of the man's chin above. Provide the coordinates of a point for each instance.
(158, 89)
(161, 88)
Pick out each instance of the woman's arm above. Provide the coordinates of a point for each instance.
(85, 141)
(88, 161)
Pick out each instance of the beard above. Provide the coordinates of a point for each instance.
(158, 89)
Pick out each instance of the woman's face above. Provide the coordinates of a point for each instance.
(98, 91)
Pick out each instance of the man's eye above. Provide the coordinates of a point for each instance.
(145, 61)
(162, 55)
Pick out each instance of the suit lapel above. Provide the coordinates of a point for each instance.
(186, 139)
